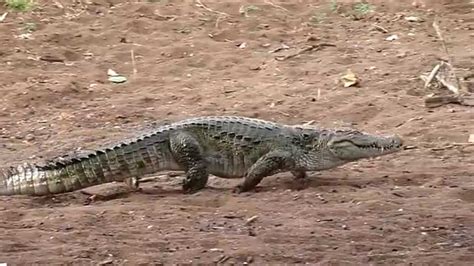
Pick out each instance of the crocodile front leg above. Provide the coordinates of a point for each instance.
(299, 174)
(270, 164)
(187, 153)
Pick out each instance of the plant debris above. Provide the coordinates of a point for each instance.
(443, 79)
(471, 138)
(3, 16)
(349, 79)
(115, 77)
(432, 101)
(280, 48)
(251, 220)
(380, 28)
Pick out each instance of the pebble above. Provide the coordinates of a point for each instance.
(392, 37)
(251, 232)
(29, 137)
(401, 55)
(413, 19)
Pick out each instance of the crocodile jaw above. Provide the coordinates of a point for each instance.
(357, 145)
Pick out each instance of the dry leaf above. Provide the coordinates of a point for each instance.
(115, 77)
(349, 79)
(112, 73)
(2, 17)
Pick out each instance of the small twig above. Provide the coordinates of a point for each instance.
(304, 50)
(132, 55)
(432, 75)
(219, 13)
(283, 113)
(201, 5)
(274, 5)
(217, 21)
(58, 4)
(409, 120)
(251, 220)
(281, 47)
(380, 28)
(440, 36)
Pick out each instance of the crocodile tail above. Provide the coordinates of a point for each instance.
(53, 178)
(56, 177)
(24, 179)
(143, 155)
(29, 179)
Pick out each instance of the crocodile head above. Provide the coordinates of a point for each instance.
(352, 145)
(329, 148)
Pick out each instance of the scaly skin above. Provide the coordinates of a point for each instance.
(225, 146)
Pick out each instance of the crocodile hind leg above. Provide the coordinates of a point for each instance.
(187, 153)
(133, 183)
(270, 164)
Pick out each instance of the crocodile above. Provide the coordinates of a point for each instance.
(224, 146)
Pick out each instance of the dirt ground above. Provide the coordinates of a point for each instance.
(215, 57)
